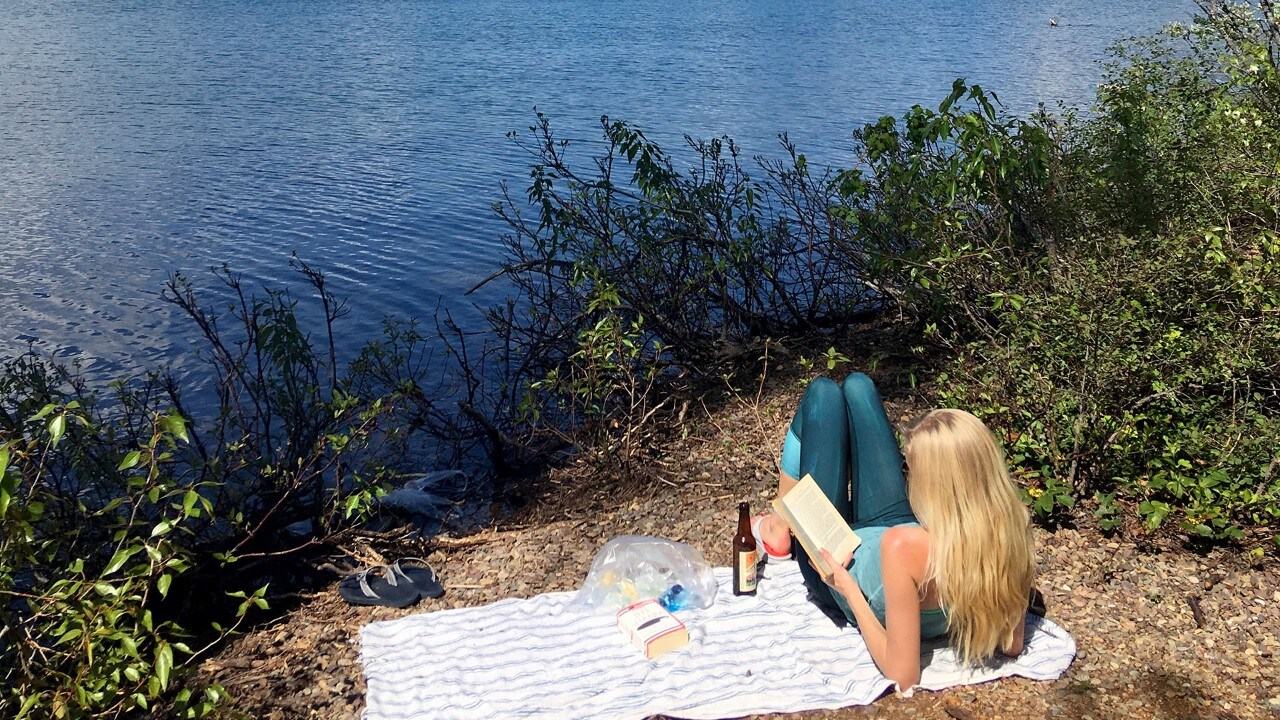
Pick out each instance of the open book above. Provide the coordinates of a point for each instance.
(816, 523)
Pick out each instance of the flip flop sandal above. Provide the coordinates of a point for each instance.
(420, 576)
(387, 590)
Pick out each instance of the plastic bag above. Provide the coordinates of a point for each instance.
(632, 568)
(428, 501)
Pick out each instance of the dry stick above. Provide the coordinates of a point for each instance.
(519, 267)
(1196, 613)
(278, 553)
(711, 418)
(484, 538)
(1266, 475)
(626, 437)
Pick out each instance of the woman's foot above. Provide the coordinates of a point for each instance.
(772, 535)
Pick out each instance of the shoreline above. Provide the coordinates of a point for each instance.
(1144, 650)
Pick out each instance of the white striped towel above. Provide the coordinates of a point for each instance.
(533, 658)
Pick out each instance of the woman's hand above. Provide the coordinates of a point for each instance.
(838, 578)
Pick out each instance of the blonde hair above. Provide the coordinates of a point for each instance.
(980, 546)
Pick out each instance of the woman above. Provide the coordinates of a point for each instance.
(946, 550)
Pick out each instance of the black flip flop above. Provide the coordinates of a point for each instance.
(388, 590)
(420, 575)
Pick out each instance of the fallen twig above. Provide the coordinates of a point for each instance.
(1196, 613)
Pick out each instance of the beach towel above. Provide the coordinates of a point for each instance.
(534, 658)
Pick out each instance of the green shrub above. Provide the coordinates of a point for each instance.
(116, 517)
(949, 208)
(80, 580)
(1130, 356)
(602, 396)
(1149, 375)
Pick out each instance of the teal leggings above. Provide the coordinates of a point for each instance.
(841, 436)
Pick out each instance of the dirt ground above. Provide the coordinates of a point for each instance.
(1162, 632)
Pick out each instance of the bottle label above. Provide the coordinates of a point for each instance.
(747, 571)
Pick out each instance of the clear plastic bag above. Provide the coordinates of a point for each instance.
(635, 567)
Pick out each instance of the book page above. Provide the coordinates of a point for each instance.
(816, 522)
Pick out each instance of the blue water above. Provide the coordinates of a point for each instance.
(140, 138)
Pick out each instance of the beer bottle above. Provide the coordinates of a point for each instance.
(744, 554)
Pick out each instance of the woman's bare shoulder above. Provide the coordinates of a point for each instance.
(906, 538)
(906, 545)
(905, 550)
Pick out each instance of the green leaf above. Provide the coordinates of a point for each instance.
(120, 558)
(189, 501)
(1044, 503)
(162, 528)
(163, 584)
(56, 427)
(164, 663)
(4, 459)
(130, 460)
(175, 426)
(28, 704)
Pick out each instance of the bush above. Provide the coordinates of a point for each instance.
(1147, 376)
(116, 518)
(634, 281)
(81, 575)
(1120, 330)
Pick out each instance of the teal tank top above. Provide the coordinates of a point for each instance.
(866, 571)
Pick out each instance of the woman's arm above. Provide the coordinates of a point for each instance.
(901, 662)
(895, 648)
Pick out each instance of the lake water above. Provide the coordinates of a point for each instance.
(139, 138)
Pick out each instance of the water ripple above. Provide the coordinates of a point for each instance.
(142, 138)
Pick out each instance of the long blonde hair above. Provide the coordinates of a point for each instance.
(980, 546)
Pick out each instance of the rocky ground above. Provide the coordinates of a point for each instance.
(1162, 632)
